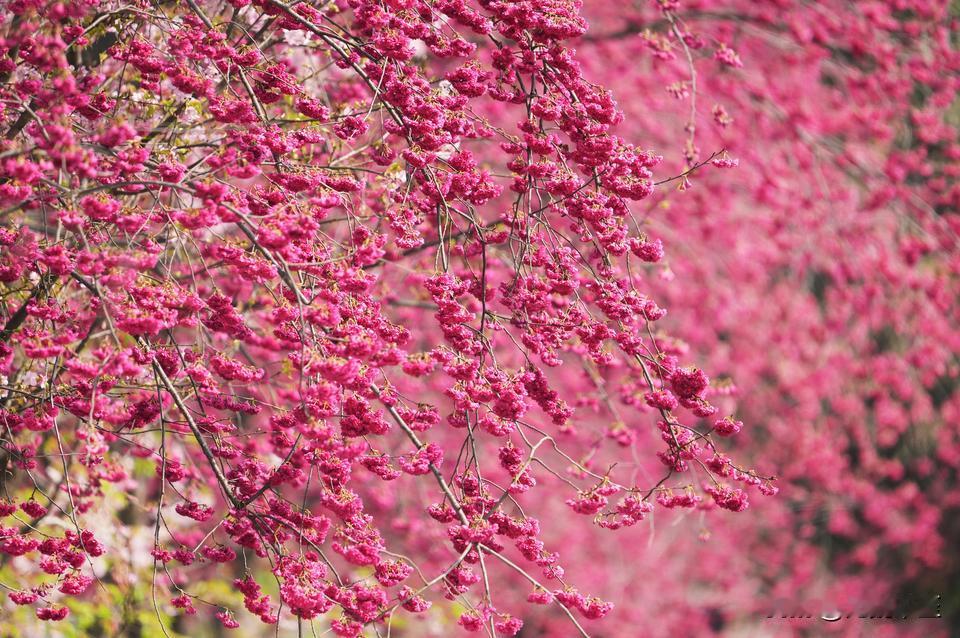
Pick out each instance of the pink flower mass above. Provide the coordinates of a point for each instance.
(423, 318)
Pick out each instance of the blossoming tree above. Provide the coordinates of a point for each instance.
(351, 316)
